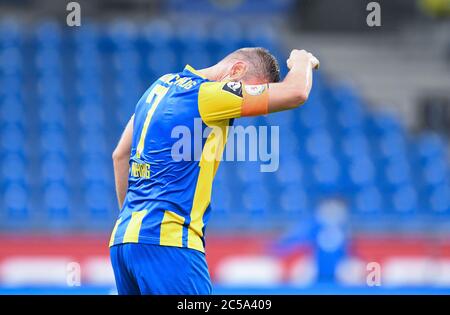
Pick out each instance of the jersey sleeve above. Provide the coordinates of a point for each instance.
(218, 101)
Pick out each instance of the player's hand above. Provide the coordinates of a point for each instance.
(302, 57)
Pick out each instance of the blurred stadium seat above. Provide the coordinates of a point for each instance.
(56, 139)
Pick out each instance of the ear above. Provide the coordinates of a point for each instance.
(238, 70)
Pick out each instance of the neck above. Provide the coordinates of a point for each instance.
(214, 73)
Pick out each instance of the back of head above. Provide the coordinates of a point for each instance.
(262, 65)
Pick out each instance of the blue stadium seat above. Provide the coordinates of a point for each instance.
(12, 138)
(294, 200)
(404, 200)
(439, 199)
(48, 33)
(395, 172)
(435, 172)
(430, 145)
(368, 201)
(16, 204)
(159, 68)
(232, 31)
(54, 169)
(191, 34)
(392, 145)
(362, 171)
(158, 33)
(57, 203)
(14, 169)
(313, 116)
(354, 144)
(60, 130)
(319, 144)
(256, 200)
(12, 112)
(98, 202)
(327, 174)
(54, 142)
(222, 200)
(11, 62)
(196, 57)
(290, 172)
(249, 172)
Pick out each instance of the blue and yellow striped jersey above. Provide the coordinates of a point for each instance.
(168, 197)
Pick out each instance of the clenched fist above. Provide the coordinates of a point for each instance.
(302, 57)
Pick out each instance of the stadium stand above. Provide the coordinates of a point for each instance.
(64, 100)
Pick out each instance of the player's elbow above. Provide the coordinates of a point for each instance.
(118, 154)
(302, 97)
(115, 155)
(298, 98)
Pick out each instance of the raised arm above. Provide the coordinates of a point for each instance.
(224, 100)
(294, 89)
(121, 157)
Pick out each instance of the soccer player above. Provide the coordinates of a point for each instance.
(157, 244)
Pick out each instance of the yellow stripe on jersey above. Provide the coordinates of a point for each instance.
(114, 231)
(216, 102)
(214, 144)
(171, 229)
(221, 147)
(225, 100)
(155, 96)
(134, 226)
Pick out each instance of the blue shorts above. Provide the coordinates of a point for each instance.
(153, 269)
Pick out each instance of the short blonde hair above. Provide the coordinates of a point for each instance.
(263, 64)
